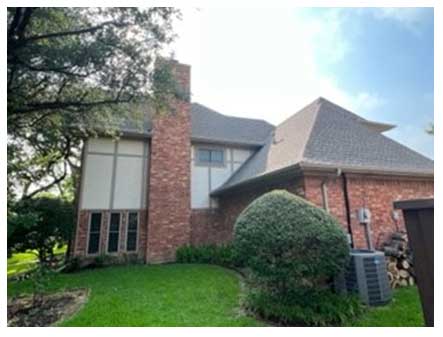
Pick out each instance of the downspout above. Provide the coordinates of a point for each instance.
(324, 193)
(147, 201)
(347, 207)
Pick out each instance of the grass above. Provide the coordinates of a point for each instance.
(187, 295)
(21, 262)
(404, 311)
(167, 295)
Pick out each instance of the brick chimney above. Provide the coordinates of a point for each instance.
(169, 205)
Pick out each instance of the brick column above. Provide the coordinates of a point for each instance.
(169, 209)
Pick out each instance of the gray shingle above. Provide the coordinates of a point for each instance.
(326, 135)
(211, 125)
(338, 140)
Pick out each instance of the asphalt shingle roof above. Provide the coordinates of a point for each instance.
(324, 134)
(208, 124)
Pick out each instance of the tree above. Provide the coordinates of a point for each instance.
(431, 129)
(70, 69)
(40, 224)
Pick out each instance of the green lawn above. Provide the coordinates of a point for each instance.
(168, 295)
(187, 295)
(403, 311)
(21, 262)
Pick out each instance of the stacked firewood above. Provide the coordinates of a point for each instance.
(399, 261)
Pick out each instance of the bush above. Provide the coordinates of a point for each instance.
(41, 224)
(308, 308)
(288, 243)
(72, 265)
(223, 255)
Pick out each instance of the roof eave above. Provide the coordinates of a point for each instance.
(303, 168)
(286, 172)
(364, 170)
(225, 142)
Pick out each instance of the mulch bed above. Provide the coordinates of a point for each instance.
(53, 308)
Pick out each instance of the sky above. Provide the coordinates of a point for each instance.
(270, 63)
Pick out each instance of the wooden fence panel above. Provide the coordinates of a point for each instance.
(419, 219)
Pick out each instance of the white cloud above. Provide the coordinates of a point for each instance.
(415, 137)
(266, 63)
(410, 18)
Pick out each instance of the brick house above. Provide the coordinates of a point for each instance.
(183, 178)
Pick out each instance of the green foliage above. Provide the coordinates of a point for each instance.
(293, 250)
(73, 73)
(39, 278)
(288, 242)
(307, 307)
(430, 130)
(155, 295)
(403, 311)
(213, 303)
(223, 255)
(41, 224)
(101, 261)
(72, 265)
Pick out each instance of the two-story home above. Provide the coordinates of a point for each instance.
(184, 177)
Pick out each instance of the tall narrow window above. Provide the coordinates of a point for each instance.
(131, 241)
(94, 233)
(114, 230)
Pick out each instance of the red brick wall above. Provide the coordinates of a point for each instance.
(374, 192)
(216, 226)
(334, 186)
(169, 179)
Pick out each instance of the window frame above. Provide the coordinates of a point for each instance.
(89, 233)
(109, 232)
(136, 232)
(211, 149)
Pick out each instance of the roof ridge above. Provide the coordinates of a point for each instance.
(317, 100)
(320, 101)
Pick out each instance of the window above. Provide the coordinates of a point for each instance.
(94, 233)
(114, 230)
(131, 240)
(211, 156)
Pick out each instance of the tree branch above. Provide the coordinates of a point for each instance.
(75, 32)
(34, 107)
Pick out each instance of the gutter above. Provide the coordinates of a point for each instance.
(226, 142)
(367, 170)
(321, 169)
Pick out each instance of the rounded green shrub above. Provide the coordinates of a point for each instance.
(305, 307)
(289, 243)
